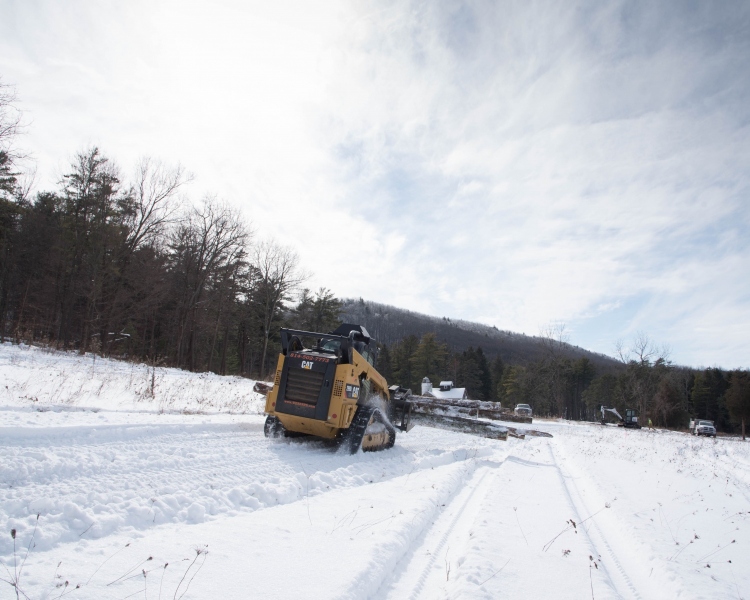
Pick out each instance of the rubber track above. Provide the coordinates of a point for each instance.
(273, 427)
(356, 432)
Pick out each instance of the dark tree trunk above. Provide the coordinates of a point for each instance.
(223, 367)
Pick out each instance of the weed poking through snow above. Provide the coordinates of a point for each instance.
(593, 564)
(14, 577)
(198, 552)
(515, 511)
(571, 524)
(495, 573)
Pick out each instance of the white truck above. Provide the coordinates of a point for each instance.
(702, 427)
(522, 410)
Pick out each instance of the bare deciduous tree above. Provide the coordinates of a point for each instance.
(152, 206)
(146, 209)
(10, 118)
(554, 337)
(646, 363)
(211, 238)
(279, 274)
(642, 350)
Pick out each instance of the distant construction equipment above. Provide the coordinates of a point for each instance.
(630, 421)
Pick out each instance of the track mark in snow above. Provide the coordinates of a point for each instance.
(672, 498)
(619, 547)
(89, 483)
(496, 546)
(461, 509)
(598, 540)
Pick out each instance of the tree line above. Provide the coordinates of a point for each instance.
(552, 385)
(559, 386)
(129, 268)
(671, 395)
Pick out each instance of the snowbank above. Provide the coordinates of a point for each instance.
(42, 377)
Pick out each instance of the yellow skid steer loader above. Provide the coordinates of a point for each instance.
(326, 385)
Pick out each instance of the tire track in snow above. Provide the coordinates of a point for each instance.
(407, 525)
(458, 505)
(478, 558)
(170, 476)
(621, 583)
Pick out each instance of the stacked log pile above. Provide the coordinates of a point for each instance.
(465, 415)
(467, 408)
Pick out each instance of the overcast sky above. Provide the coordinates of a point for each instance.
(512, 163)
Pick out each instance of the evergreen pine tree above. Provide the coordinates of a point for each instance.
(470, 374)
(384, 364)
(401, 361)
(485, 376)
(429, 359)
(738, 398)
(497, 367)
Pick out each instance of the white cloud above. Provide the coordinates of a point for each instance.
(516, 163)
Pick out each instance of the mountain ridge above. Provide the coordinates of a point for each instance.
(390, 324)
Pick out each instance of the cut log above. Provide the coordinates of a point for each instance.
(467, 408)
(462, 424)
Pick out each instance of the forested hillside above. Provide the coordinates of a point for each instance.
(554, 377)
(126, 265)
(389, 325)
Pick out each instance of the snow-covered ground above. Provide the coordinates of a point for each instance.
(125, 481)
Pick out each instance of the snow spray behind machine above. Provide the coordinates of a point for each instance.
(331, 389)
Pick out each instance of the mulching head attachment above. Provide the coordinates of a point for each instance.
(400, 407)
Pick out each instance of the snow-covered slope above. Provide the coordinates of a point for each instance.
(124, 483)
(43, 377)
